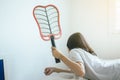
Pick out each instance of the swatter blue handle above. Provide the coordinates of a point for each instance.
(53, 44)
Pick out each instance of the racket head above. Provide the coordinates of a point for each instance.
(48, 21)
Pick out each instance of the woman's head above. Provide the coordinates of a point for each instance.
(77, 40)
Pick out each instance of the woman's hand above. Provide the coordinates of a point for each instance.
(56, 53)
(49, 70)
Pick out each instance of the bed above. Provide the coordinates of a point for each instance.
(62, 76)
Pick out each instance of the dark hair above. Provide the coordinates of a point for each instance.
(77, 40)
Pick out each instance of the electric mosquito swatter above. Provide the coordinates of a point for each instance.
(48, 22)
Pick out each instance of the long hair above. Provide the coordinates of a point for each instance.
(77, 40)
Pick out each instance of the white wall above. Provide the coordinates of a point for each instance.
(25, 54)
(91, 18)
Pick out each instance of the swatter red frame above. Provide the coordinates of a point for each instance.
(47, 38)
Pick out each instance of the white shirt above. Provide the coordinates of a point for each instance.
(96, 68)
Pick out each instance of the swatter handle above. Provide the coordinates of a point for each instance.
(53, 44)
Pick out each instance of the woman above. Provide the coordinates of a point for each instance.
(83, 63)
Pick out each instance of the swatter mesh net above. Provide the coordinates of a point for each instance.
(47, 19)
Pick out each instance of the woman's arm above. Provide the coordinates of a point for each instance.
(76, 67)
(58, 70)
(50, 70)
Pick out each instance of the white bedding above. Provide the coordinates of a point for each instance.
(62, 76)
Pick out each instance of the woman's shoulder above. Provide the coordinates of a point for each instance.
(80, 51)
(76, 50)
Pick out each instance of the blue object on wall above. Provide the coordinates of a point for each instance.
(1, 70)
